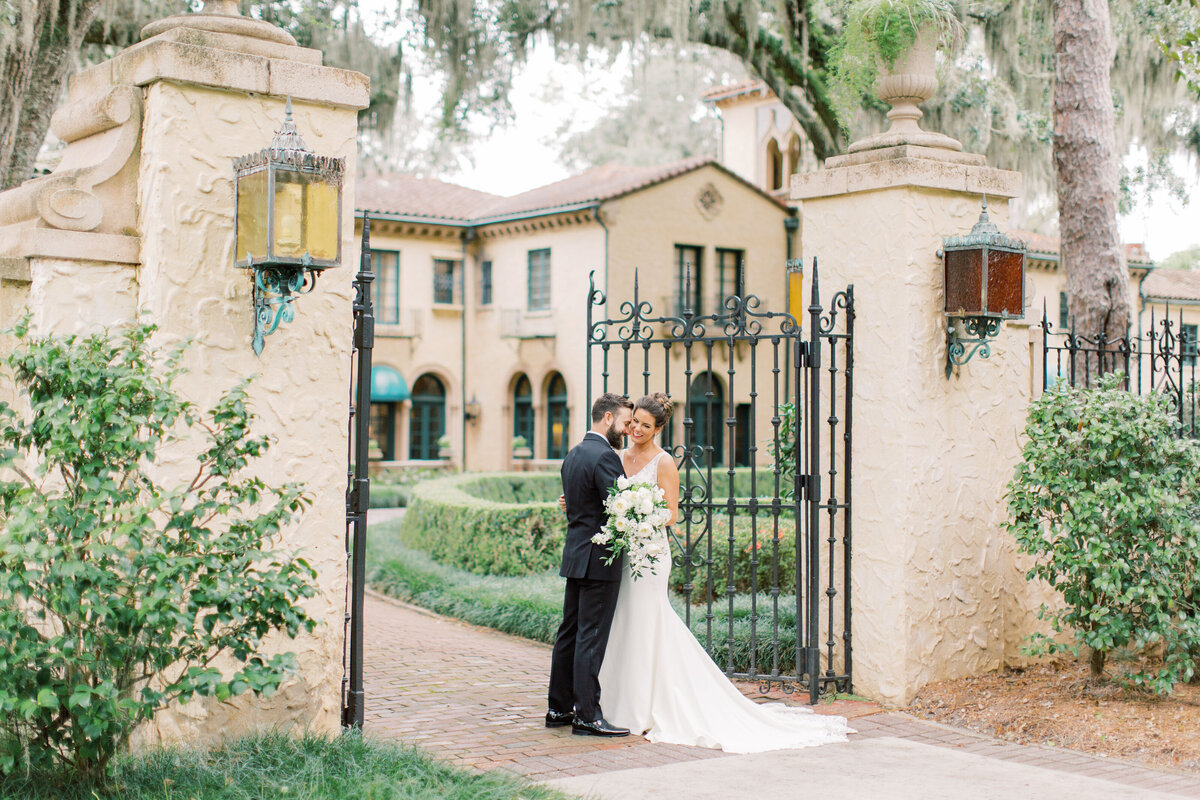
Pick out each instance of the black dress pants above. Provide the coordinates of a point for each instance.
(588, 608)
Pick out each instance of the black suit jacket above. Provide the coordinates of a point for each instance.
(587, 473)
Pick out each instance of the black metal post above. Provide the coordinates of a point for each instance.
(813, 495)
(358, 497)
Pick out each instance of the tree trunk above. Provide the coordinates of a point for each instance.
(1086, 168)
(34, 68)
(1096, 661)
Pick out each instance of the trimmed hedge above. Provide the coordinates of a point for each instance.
(392, 488)
(509, 524)
(531, 606)
(746, 536)
(489, 524)
(764, 481)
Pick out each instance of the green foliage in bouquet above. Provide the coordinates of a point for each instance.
(1106, 497)
(118, 593)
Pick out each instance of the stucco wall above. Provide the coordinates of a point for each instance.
(190, 288)
(937, 587)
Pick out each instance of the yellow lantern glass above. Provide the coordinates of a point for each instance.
(795, 290)
(289, 205)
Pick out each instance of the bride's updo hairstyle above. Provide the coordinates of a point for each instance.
(659, 406)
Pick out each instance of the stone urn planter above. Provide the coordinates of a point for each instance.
(911, 80)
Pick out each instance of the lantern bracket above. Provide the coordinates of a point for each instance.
(976, 336)
(275, 291)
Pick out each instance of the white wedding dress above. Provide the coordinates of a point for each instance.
(657, 680)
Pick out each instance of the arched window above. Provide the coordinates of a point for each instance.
(557, 422)
(794, 154)
(523, 410)
(706, 407)
(427, 422)
(774, 166)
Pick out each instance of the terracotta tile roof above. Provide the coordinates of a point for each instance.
(396, 193)
(1172, 284)
(424, 197)
(723, 94)
(1045, 245)
(596, 185)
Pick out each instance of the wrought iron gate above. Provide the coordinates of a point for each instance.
(761, 552)
(358, 488)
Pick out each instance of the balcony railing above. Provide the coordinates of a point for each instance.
(517, 323)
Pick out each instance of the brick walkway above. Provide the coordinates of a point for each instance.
(476, 697)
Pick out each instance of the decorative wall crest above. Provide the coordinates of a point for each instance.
(709, 201)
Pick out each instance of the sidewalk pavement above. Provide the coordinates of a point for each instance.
(476, 698)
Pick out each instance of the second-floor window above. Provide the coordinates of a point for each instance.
(386, 297)
(539, 279)
(689, 271)
(485, 283)
(447, 276)
(730, 278)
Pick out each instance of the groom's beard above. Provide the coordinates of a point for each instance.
(614, 437)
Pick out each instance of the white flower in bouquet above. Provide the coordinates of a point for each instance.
(636, 525)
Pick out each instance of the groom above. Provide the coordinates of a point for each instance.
(588, 471)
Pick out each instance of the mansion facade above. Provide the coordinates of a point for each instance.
(481, 301)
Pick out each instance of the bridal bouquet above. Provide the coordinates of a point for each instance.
(637, 519)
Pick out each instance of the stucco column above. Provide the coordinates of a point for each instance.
(138, 220)
(932, 571)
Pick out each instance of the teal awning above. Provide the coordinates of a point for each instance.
(388, 385)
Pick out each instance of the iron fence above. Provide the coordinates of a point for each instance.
(1158, 360)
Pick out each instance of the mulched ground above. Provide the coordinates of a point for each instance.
(1055, 704)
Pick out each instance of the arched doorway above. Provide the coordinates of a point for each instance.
(428, 420)
(557, 422)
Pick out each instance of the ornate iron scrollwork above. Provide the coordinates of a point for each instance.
(275, 291)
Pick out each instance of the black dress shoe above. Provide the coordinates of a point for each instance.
(557, 719)
(599, 727)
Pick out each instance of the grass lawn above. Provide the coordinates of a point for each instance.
(280, 766)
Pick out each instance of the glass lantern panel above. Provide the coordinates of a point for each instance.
(289, 214)
(321, 209)
(964, 281)
(1005, 283)
(795, 295)
(251, 230)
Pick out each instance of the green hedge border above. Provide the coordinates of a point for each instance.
(503, 523)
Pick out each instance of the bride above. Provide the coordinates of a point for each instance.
(656, 679)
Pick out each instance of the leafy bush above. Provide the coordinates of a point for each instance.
(1106, 497)
(753, 553)
(531, 605)
(490, 524)
(116, 591)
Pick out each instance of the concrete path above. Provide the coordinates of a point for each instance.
(475, 698)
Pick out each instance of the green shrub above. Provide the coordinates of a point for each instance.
(116, 591)
(753, 553)
(1106, 498)
(531, 606)
(490, 524)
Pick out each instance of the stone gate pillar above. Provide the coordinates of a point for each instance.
(138, 221)
(937, 593)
